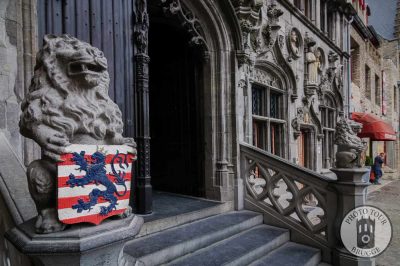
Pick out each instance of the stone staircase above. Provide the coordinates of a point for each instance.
(233, 238)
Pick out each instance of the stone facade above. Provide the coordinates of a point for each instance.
(374, 79)
(302, 35)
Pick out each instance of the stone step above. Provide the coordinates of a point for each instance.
(157, 225)
(240, 249)
(292, 254)
(167, 245)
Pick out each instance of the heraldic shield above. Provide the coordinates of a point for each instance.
(94, 182)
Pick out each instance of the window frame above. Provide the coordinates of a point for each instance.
(328, 123)
(266, 121)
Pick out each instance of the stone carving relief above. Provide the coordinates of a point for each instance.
(188, 20)
(297, 121)
(306, 116)
(332, 80)
(294, 44)
(320, 55)
(263, 38)
(67, 103)
(338, 81)
(313, 64)
(248, 13)
(266, 78)
(281, 41)
(141, 27)
(350, 146)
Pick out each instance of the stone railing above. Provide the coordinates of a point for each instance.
(309, 204)
(290, 196)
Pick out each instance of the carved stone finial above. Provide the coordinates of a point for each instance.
(350, 146)
(67, 103)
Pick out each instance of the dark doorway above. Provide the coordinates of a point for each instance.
(175, 109)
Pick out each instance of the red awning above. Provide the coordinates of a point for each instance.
(374, 127)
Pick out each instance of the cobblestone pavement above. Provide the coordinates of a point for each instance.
(387, 198)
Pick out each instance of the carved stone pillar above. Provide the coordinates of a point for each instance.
(351, 193)
(143, 189)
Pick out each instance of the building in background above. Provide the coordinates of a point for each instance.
(375, 74)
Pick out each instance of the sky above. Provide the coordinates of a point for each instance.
(383, 14)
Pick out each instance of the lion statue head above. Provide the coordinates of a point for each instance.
(351, 149)
(69, 91)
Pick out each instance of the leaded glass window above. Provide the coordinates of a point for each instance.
(328, 119)
(268, 119)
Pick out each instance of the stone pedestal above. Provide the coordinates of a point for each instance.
(81, 244)
(352, 192)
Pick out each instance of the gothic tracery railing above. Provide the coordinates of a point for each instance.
(289, 196)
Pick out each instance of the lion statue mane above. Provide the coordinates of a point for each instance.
(67, 103)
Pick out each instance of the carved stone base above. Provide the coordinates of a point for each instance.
(310, 89)
(81, 244)
(343, 257)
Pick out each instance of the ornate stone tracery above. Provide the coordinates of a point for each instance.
(188, 20)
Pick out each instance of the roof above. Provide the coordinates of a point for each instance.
(383, 15)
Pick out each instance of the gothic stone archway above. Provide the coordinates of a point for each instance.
(214, 32)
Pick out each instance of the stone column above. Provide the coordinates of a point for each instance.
(81, 244)
(352, 193)
(143, 192)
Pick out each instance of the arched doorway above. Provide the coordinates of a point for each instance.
(176, 107)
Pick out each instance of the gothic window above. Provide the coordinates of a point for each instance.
(297, 3)
(355, 62)
(331, 25)
(307, 7)
(328, 119)
(367, 82)
(268, 119)
(377, 91)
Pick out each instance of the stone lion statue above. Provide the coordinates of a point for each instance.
(350, 146)
(67, 103)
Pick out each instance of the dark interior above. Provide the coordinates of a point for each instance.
(175, 109)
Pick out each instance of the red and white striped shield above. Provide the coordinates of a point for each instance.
(94, 182)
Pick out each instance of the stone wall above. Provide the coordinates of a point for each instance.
(384, 63)
(10, 97)
(363, 94)
(17, 56)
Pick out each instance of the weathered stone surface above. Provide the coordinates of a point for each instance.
(3, 119)
(82, 244)
(13, 184)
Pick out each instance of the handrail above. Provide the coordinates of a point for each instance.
(291, 196)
